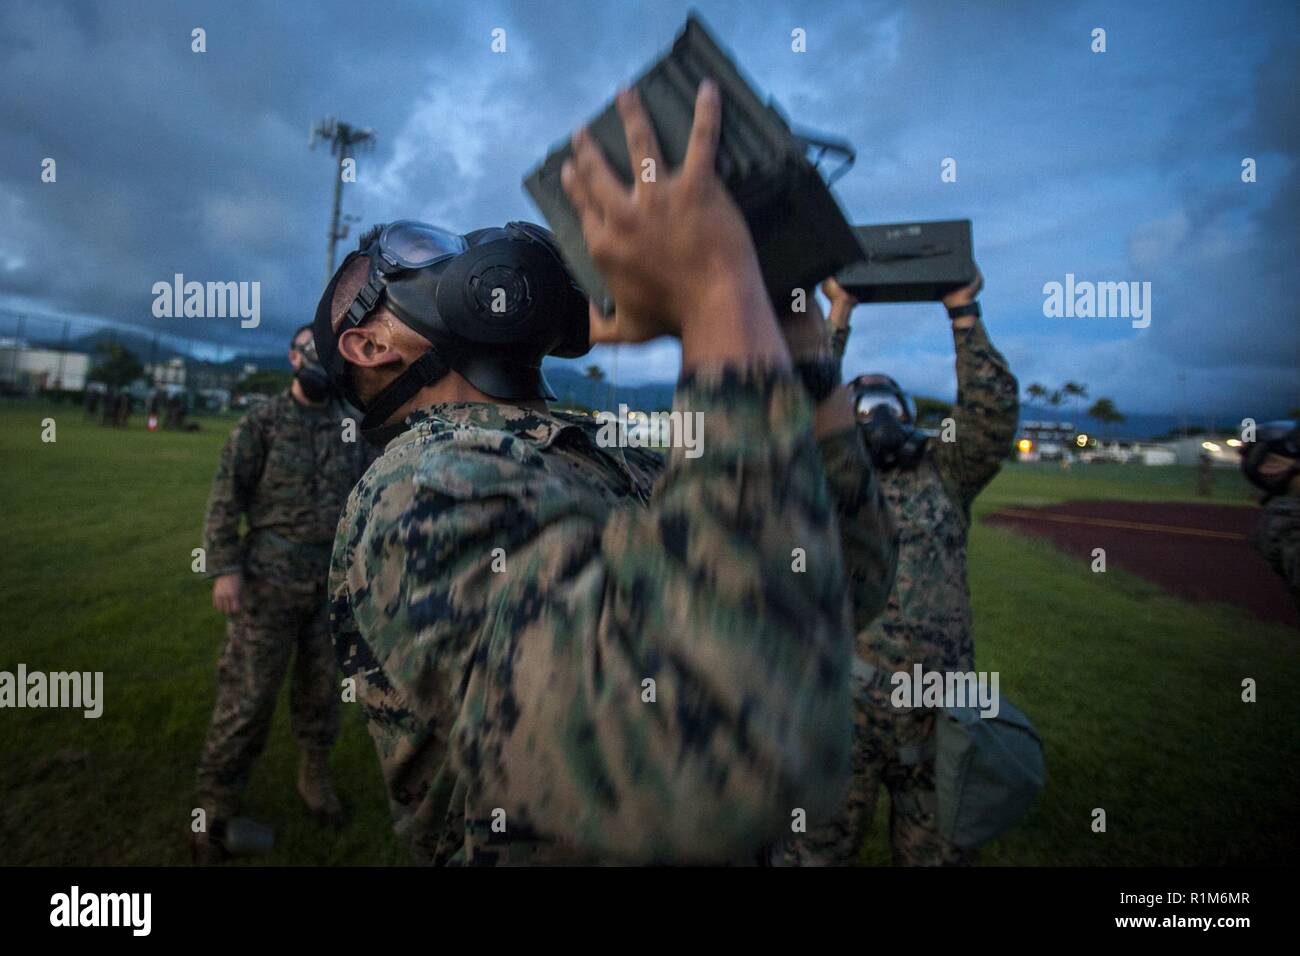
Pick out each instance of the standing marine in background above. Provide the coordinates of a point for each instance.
(287, 468)
(929, 484)
(1272, 464)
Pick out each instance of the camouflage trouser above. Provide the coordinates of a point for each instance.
(261, 638)
(893, 748)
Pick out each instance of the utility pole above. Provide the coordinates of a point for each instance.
(1182, 404)
(18, 343)
(63, 349)
(343, 140)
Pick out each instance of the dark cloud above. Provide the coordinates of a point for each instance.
(1123, 165)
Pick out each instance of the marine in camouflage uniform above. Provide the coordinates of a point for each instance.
(505, 590)
(287, 469)
(927, 620)
(1271, 462)
(1278, 537)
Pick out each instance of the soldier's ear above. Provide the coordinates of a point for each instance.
(367, 346)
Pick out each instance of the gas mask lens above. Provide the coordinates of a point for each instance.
(414, 245)
(870, 402)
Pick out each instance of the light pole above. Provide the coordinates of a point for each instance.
(344, 139)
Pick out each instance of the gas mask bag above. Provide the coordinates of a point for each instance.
(774, 173)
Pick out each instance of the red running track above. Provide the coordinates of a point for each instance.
(1198, 552)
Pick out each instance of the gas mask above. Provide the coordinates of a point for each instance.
(491, 304)
(1281, 438)
(311, 375)
(887, 415)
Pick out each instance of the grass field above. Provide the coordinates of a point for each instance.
(1136, 694)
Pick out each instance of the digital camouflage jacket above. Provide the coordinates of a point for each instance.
(572, 653)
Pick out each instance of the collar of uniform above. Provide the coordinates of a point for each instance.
(539, 427)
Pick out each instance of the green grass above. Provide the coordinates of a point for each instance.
(1045, 483)
(1136, 693)
(99, 526)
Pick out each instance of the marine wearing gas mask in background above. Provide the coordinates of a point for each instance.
(1272, 464)
(929, 485)
(569, 652)
(287, 469)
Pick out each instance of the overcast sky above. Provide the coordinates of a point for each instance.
(1116, 166)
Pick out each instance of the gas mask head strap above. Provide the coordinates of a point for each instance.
(425, 370)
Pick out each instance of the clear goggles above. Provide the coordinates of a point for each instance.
(871, 401)
(407, 244)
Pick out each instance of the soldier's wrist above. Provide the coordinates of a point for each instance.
(959, 310)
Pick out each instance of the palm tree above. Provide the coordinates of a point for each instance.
(1036, 392)
(1104, 411)
(1077, 391)
(1054, 399)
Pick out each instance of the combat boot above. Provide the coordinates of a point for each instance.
(208, 846)
(316, 789)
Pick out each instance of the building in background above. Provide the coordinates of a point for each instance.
(171, 372)
(1045, 441)
(27, 370)
(1224, 450)
(203, 376)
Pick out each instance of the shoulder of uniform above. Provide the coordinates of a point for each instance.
(254, 421)
(648, 461)
(645, 460)
(417, 484)
(441, 442)
(248, 421)
(265, 411)
(456, 461)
